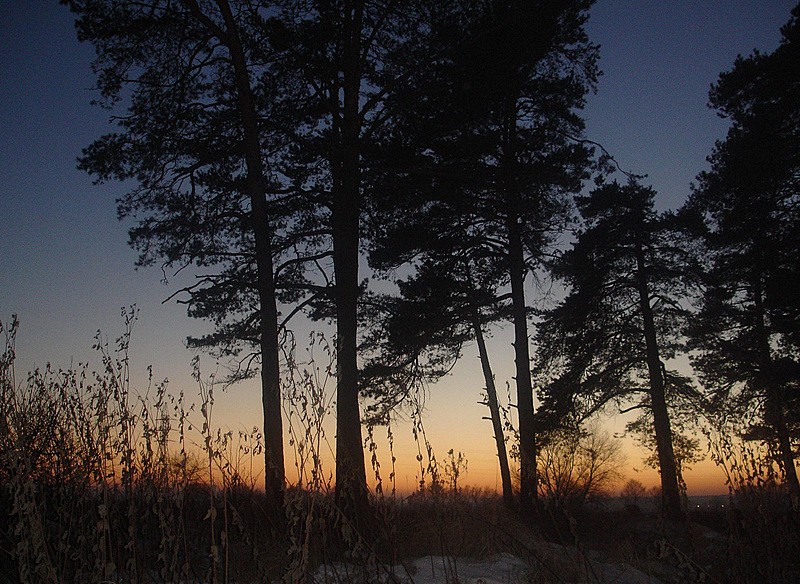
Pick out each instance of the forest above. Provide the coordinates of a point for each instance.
(412, 175)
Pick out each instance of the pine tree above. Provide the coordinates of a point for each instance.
(491, 129)
(448, 302)
(191, 140)
(747, 330)
(622, 317)
(351, 58)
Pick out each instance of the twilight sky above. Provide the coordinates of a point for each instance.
(66, 270)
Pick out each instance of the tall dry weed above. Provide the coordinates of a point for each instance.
(101, 482)
(764, 521)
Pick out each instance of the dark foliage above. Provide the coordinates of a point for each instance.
(628, 277)
(746, 332)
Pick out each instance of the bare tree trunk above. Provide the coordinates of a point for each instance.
(774, 414)
(494, 411)
(351, 482)
(529, 483)
(274, 474)
(670, 489)
(776, 417)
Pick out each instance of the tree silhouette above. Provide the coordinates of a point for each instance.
(621, 317)
(192, 141)
(447, 303)
(746, 333)
(496, 139)
(351, 57)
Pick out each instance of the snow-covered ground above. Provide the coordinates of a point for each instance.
(499, 569)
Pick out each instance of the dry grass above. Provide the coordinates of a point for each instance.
(98, 483)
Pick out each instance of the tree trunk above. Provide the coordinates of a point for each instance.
(494, 410)
(774, 414)
(351, 482)
(529, 483)
(776, 417)
(274, 474)
(670, 489)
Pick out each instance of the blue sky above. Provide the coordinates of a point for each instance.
(659, 61)
(65, 267)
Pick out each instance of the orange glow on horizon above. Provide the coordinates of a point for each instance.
(481, 471)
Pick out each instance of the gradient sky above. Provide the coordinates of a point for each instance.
(66, 270)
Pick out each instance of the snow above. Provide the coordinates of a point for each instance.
(500, 569)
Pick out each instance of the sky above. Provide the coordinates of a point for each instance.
(66, 269)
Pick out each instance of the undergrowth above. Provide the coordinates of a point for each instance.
(102, 483)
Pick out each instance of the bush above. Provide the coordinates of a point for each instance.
(577, 466)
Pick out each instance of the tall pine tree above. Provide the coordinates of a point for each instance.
(747, 334)
(497, 137)
(194, 81)
(622, 317)
(352, 57)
